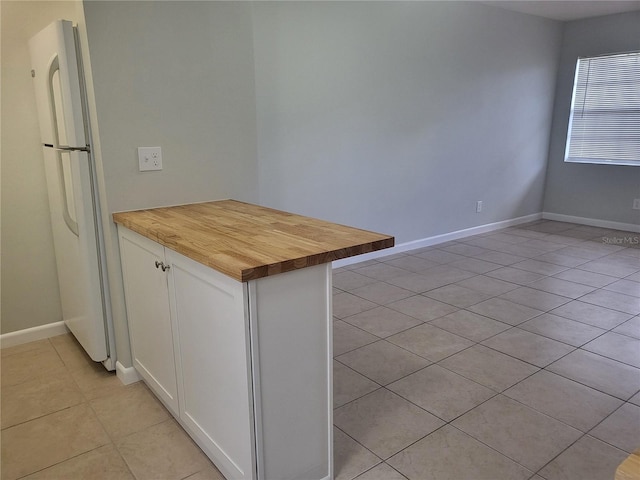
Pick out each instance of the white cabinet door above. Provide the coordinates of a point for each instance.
(149, 314)
(214, 373)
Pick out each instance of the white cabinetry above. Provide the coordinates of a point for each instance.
(214, 381)
(244, 367)
(150, 332)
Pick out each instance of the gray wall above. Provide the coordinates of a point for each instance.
(601, 192)
(188, 88)
(30, 295)
(399, 116)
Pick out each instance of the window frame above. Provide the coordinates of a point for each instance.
(573, 110)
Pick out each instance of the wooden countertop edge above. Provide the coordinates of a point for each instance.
(629, 469)
(172, 242)
(313, 260)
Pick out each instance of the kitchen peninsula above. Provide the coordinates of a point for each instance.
(229, 311)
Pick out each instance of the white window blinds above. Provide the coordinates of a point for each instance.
(604, 126)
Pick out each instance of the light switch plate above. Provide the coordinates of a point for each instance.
(149, 158)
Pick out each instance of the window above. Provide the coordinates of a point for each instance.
(604, 125)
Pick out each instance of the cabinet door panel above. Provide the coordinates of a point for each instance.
(213, 374)
(148, 313)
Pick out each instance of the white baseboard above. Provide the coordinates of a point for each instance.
(593, 222)
(32, 334)
(445, 237)
(127, 375)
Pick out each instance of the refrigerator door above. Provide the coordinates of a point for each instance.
(54, 64)
(70, 182)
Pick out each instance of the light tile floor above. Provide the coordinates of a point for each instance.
(64, 417)
(509, 355)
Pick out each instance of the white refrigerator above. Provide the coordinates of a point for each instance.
(71, 182)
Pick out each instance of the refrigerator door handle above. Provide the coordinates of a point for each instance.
(72, 225)
(70, 222)
(66, 148)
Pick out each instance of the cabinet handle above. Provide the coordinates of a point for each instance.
(162, 266)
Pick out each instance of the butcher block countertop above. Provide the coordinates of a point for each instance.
(246, 241)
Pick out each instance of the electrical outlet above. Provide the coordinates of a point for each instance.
(636, 203)
(478, 206)
(149, 158)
